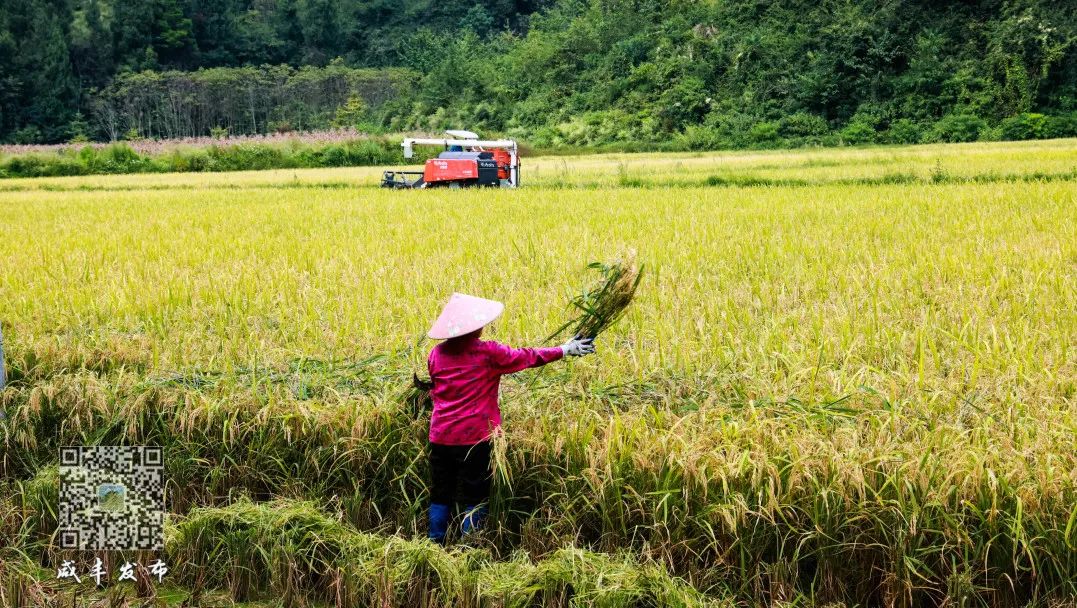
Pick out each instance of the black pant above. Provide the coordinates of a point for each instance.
(460, 473)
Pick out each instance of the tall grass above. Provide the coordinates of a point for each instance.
(203, 155)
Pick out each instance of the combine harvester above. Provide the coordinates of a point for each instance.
(467, 161)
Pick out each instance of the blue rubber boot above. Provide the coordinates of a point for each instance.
(439, 522)
(473, 519)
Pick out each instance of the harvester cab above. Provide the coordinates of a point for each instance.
(466, 161)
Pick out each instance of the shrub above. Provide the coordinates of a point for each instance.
(802, 125)
(1060, 126)
(362, 152)
(371, 152)
(88, 157)
(957, 128)
(683, 103)
(545, 137)
(35, 165)
(903, 131)
(858, 132)
(990, 133)
(193, 160)
(699, 137)
(248, 157)
(764, 134)
(120, 158)
(733, 128)
(1024, 126)
(599, 128)
(27, 135)
(330, 156)
(199, 160)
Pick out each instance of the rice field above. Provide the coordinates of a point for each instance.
(849, 377)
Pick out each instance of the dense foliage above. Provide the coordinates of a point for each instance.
(720, 73)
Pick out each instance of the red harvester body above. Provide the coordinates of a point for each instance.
(450, 169)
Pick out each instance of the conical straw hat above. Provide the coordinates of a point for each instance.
(464, 314)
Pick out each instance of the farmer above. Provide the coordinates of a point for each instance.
(465, 373)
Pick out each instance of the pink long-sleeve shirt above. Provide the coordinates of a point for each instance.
(466, 373)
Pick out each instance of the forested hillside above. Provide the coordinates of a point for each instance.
(704, 74)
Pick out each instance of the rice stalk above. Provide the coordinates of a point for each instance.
(605, 301)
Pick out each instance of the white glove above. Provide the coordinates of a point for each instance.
(578, 347)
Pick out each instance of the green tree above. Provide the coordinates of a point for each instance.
(91, 46)
(600, 70)
(132, 34)
(1025, 48)
(352, 114)
(173, 39)
(10, 82)
(318, 22)
(47, 91)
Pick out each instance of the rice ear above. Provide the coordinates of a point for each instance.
(604, 303)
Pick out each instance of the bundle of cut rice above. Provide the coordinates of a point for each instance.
(603, 303)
